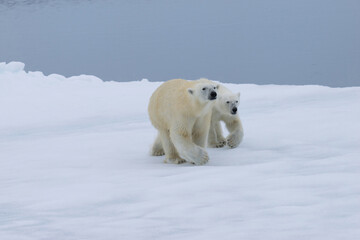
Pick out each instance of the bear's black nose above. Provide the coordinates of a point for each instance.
(234, 110)
(213, 95)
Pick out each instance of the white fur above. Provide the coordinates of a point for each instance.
(181, 111)
(222, 111)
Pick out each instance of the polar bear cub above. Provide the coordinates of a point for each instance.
(225, 109)
(181, 112)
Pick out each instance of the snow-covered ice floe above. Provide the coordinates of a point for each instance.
(75, 164)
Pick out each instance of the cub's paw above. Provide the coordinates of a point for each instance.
(221, 143)
(218, 144)
(233, 140)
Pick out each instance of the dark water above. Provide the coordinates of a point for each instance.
(240, 41)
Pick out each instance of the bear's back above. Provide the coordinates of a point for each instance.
(168, 100)
(170, 92)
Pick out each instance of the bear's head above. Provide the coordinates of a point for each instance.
(204, 91)
(228, 103)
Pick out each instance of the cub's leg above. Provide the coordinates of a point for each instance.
(236, 133)
(216, 139)
(220, 140)
(200, 131)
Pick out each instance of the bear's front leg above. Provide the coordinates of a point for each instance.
(177, 160)
(187, 149)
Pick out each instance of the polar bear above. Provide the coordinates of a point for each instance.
(225, 109)
(181, 112)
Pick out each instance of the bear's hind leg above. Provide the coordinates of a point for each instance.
(171, 155)
(157, 148)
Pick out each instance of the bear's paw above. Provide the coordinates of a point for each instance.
(201, 157)
(157, 149)
(157, 152)
(175, 161)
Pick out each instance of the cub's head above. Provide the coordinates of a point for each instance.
(204, 91)
(228, 104)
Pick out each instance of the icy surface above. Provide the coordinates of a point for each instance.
(75, 164)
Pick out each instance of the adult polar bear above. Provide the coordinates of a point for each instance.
(181, 112)
(225, 109)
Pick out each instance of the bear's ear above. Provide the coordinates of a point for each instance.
(191, 91)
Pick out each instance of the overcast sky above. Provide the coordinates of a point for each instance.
(241, 41)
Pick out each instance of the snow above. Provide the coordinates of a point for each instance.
(75, 164)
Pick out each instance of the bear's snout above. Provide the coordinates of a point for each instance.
(213, 95)
(234, 110)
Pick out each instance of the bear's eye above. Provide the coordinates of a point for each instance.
(204, 89)
(227, 102)
(237, 101)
